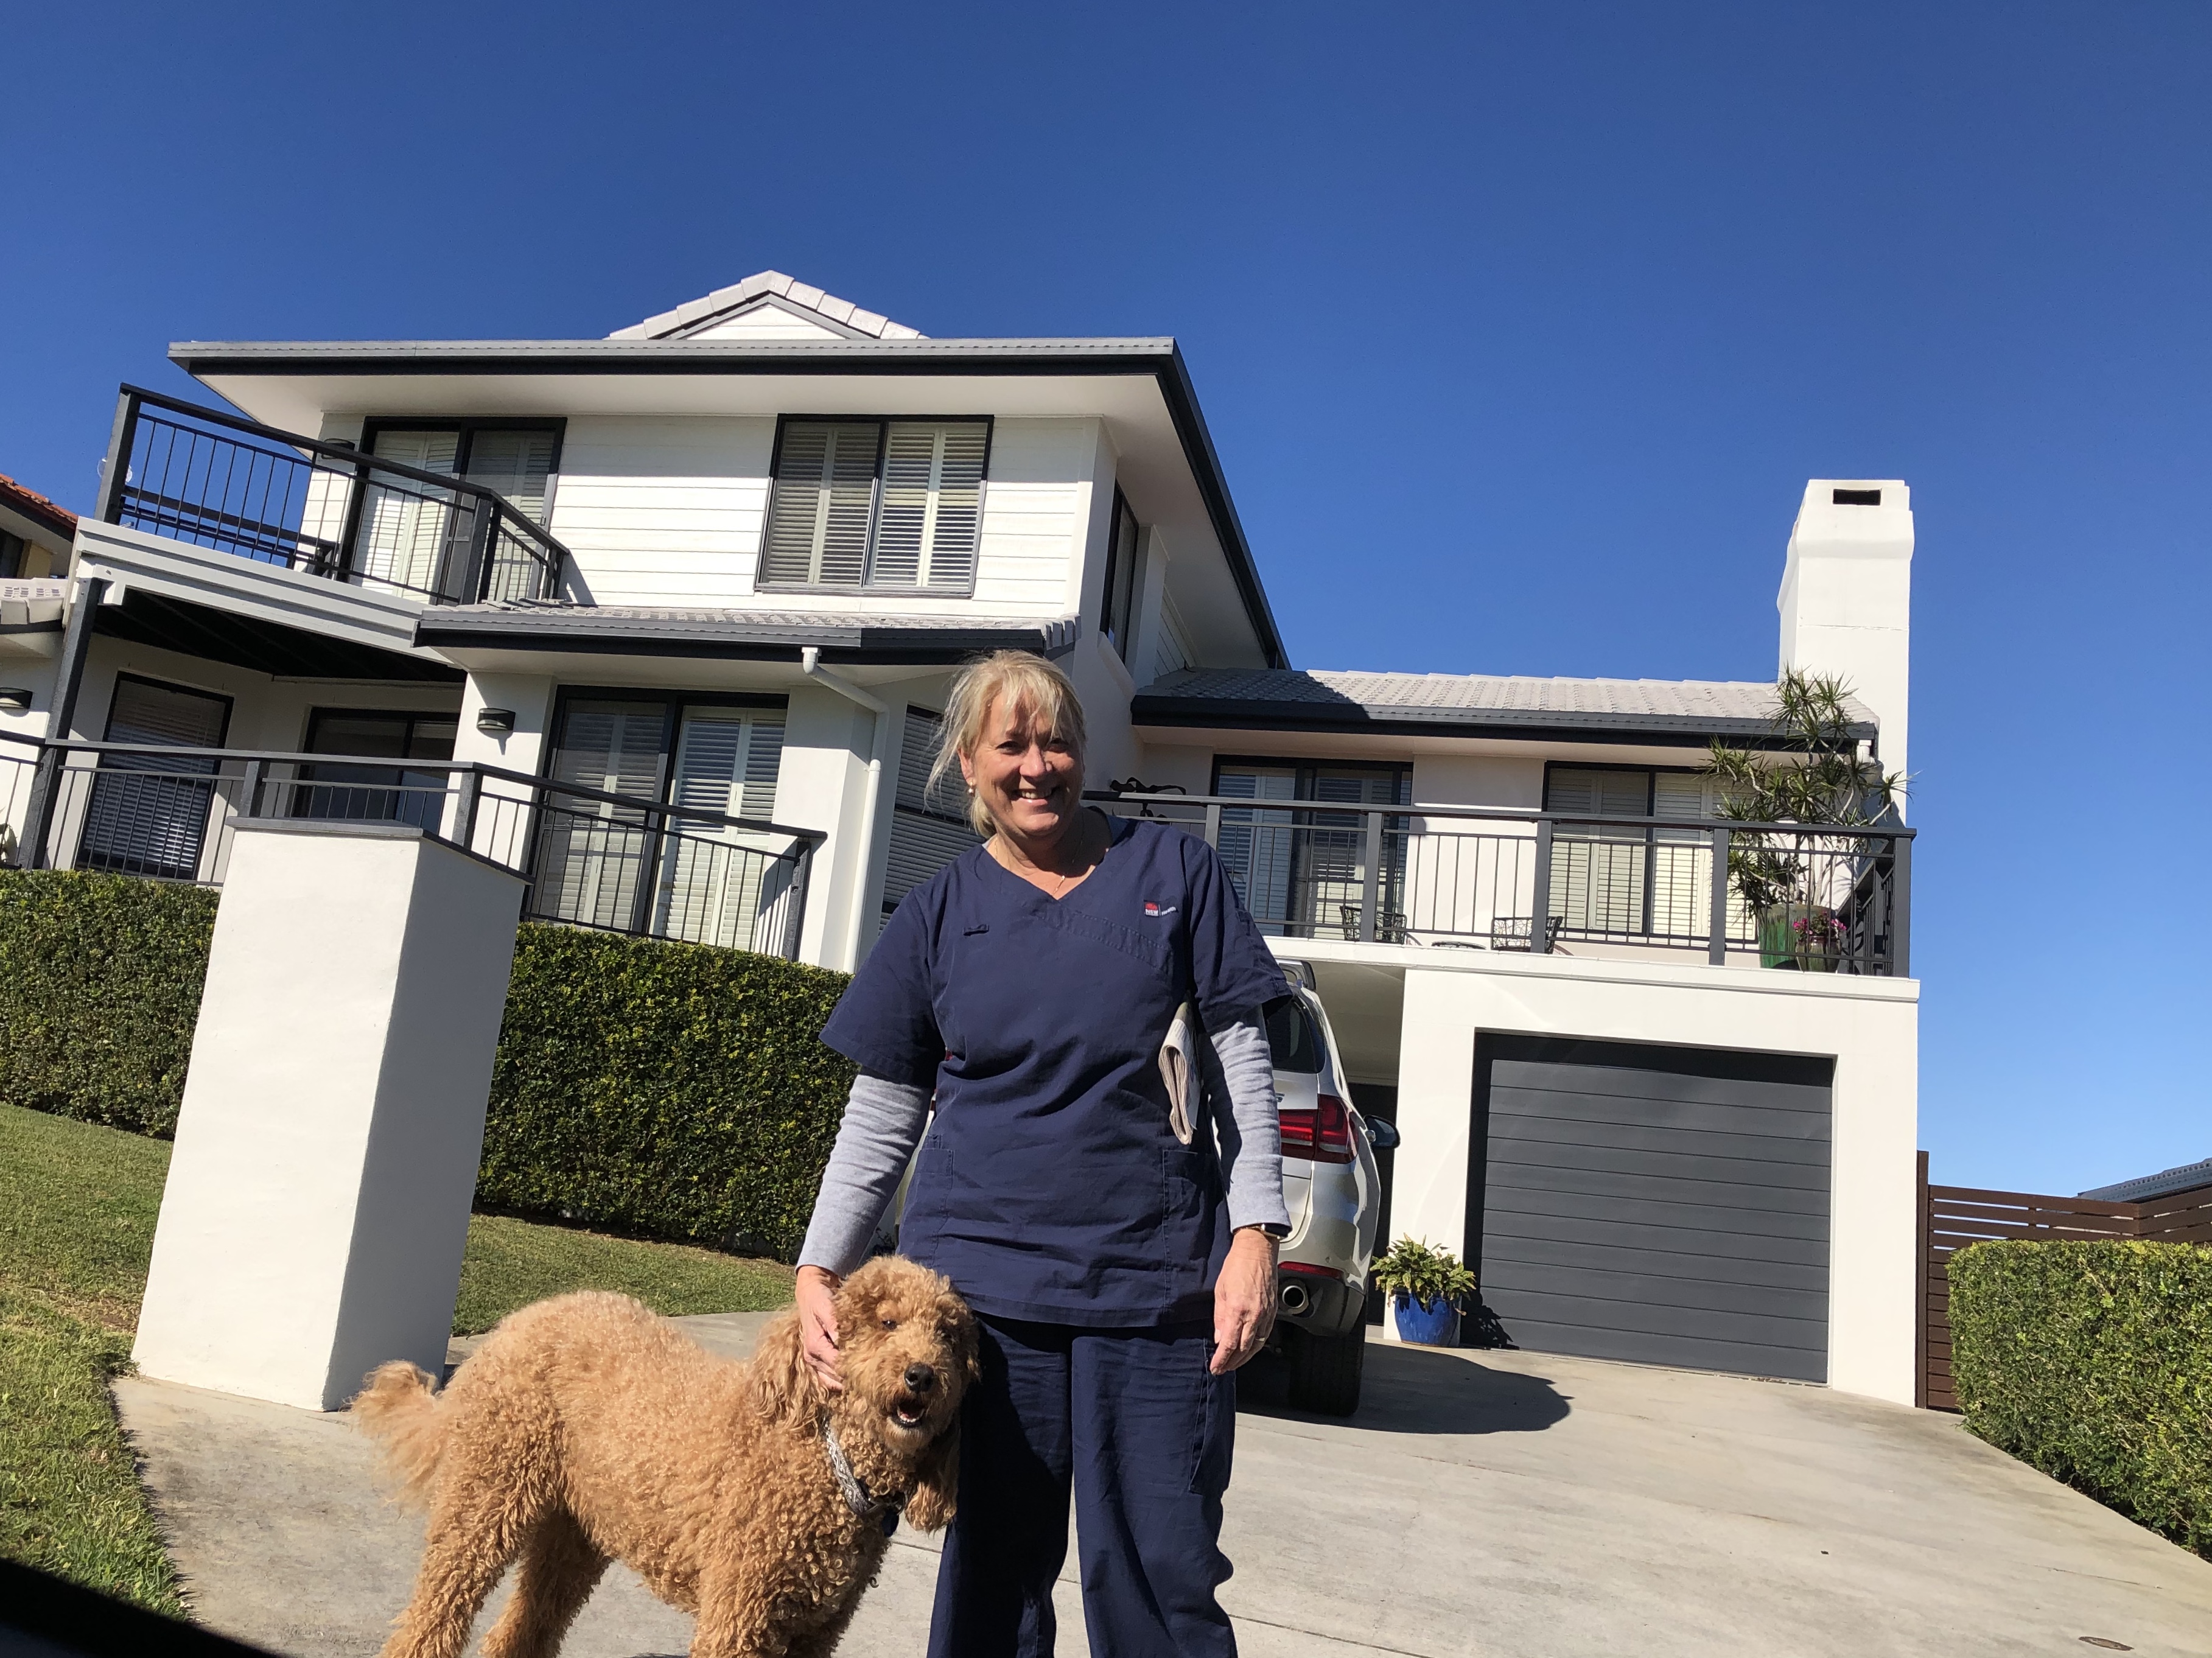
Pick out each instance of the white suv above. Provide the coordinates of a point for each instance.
(1335, 1193)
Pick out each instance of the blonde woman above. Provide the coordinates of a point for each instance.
(1120, 1274)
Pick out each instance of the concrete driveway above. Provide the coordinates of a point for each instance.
(1480, 1503)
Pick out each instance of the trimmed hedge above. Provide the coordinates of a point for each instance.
(2093, 1362)
(675, 1091)
(100, 984)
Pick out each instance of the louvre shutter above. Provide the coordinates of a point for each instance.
(1599, 876)
(1682, 859)
(926, 533)
(405, 525)
(593, 851)
(1258, 846)
(718, 880)
(825, 488)
(517, 464)
(154, 825)
(929, 827)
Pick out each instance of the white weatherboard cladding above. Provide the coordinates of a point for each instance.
(672, 510)
(768, 322)
(664, 512)
(1036, 501)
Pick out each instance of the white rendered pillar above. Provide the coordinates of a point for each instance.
(318, 1199)
(1846, 596)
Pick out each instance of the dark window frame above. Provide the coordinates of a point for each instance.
(883, 422)
(1118, 633)
(15, 550)
(123, 675)
(468, 426)
(670, 725)
(412, 716)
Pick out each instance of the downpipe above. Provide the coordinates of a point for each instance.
(810, 663)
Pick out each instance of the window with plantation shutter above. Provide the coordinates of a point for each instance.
(1632, 884)
(929, 826)
(891, 504)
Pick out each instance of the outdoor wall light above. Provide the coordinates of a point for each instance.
(500, 722)
(14, 699)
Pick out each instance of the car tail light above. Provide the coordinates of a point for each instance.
(1322, 1134)
(1307, 1269)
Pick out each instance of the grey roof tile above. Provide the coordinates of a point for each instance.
(693, 312)
(1460, 699)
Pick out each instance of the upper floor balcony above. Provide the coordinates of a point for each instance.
(1821, 898)
(218, 481)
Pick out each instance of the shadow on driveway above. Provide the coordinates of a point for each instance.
(1411, 1390)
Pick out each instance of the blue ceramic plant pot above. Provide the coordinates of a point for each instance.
(1436, 1324)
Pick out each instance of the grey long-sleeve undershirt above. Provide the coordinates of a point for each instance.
(884, 1122)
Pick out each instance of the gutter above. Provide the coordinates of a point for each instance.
(810, 663)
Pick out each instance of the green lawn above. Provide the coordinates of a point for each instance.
(77, 1206)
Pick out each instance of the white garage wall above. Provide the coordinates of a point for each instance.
(1869, 1026)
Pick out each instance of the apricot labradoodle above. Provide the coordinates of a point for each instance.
(586, 1428)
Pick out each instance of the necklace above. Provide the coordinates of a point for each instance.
(1062, 883)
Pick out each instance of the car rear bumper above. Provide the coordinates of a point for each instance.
(1320, 1306)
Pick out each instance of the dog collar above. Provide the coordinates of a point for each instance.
(855, 1494)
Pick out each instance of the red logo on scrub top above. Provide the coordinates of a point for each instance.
(1151, 908)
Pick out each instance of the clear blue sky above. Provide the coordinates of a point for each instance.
(1519, 330)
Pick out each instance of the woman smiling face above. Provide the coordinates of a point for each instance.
(1026, 776)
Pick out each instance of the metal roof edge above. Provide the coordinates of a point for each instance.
(1235, 713)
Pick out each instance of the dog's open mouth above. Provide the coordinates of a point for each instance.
(909, 1410)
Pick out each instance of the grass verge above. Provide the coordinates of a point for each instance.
(77, 1207)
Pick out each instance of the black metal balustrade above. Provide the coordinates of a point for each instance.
(615, 862)
(214, 480)
(1816, 897)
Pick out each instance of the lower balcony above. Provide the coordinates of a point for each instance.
(613, 862)
(1819, 898)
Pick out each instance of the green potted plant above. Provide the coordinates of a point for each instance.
(1427, 1287)
(1822, 777)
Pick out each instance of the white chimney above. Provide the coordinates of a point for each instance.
(1846, 597)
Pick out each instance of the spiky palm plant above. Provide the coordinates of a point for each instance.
(1818, 777)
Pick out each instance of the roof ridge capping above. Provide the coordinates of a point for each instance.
(767, 289)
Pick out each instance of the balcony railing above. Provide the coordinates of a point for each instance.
(615, 862)
(1823, 898)
(218, 481)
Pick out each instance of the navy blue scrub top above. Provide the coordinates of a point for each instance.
(1050, 1186)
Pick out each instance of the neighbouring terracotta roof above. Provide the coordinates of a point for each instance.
(36, 508)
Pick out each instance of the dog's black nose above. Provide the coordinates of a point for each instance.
(921, 1378)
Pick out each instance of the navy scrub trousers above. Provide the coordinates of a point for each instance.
(1052, 1192)
(1132, 1419)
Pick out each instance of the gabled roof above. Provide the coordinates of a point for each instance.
(1675, 711)
(55, 519)
(767, 304)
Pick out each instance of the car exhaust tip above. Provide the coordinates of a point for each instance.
(1295, 1299)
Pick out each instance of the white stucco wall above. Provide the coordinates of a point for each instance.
(1870, 1027)
(1846, 599)
(318, 1200)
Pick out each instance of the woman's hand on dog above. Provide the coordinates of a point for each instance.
(1243, 1300)
(816, 1293)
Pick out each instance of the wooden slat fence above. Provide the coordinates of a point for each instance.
(1953, 1216)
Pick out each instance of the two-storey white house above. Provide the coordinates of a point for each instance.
(665, 620)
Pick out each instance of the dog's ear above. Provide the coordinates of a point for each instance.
(782, 1388)
(937, 1482)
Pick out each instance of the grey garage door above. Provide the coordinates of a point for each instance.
(1664, 1205)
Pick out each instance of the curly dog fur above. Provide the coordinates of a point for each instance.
(586, 1429)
